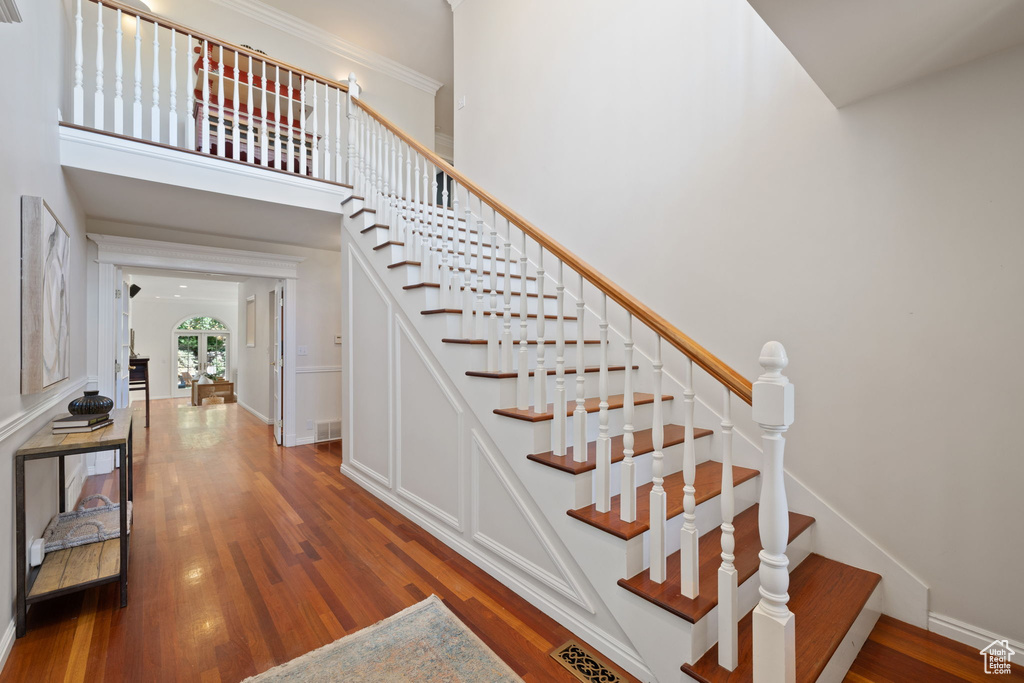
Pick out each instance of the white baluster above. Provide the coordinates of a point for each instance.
(315, 142)
(467, 275)
(728, 605)
(338, 157)
(658, 497)
(253, 153)
(154, 119)
(603, 474)
(480, 306)
(561, 404)
(206, 96)
(407, 219)
(689, 559)
(350, 113)
(279, 149)
(236, 123)
(627, 470)
(99, 118)
(79, 90)
(774, 625)
(523, 383)
(325, 168)
(190, 98)
(137, 106)
(412, 245)
(302, 125)
(221, 137)
(172, 115)
(119, 77)
(393, 182)
(579, 415)
(372, 198)
(452, 286)
(506, 336)
(400, 190)
(540, 373)
(264, 131)
(493, 345)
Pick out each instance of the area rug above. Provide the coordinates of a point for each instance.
(424, 643)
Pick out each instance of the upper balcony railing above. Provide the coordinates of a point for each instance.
(191, 91)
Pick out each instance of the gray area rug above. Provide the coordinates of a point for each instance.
(424, 643)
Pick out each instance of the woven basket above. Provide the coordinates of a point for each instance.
(83, 526)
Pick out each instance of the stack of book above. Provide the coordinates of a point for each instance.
(80, 424)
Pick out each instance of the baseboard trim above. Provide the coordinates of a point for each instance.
(6, 644)
(610, 646)
(305, 440)
(965, 633)
(257, 414)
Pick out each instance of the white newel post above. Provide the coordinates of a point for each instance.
(774, 625)
(658, 507)
(689, 544)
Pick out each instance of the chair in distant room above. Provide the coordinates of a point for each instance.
(138, 379)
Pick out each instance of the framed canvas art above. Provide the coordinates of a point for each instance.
(45, 299)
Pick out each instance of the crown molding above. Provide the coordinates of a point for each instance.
(9, 13)
(311, 33)
(444, 145)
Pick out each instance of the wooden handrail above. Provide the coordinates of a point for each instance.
(185, 30)
(737, 383)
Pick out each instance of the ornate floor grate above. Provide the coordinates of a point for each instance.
(584, 665)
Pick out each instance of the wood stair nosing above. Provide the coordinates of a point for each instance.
(531, 316)
(748, 544)
(707, 482)
(352, 197)
(531, 342)
(826, 598)
(592, 405)
(398, 243)
(642, 445)
(533, 295)
(549, 371)
(362, 211)
(374, 227)
(513, 276)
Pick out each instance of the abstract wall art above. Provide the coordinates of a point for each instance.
(45, 297)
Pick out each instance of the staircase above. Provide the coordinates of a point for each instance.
(717, 579)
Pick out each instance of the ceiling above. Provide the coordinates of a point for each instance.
(171, 285)
(854, 49)
(140, 202)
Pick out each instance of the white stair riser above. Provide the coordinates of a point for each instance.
(506, 388)
(432, 299)
(476, 356)
(454, 329)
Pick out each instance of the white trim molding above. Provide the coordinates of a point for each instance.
(965, 633)
(317, 369)
(257, 414)
(311, 33)
(25, 417)
(142, 253)
(9, 13)
(455, 4)
(7, 643)
(444, 145)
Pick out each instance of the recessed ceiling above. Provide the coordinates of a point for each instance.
(140, 202)
(173, 286)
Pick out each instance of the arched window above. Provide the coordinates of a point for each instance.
(201, 348)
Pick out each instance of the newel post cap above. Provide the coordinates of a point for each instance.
(773, 404)
(353, 87)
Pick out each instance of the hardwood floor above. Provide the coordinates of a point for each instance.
(896, 652)
(245, 555)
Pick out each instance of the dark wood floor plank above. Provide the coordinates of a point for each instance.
(245, 555)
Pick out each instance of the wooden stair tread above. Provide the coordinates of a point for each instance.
(397, 243)
(362, 211)
(642, 445)
(531, 342)
(827, 597)
(549, 371)
(372, 227)
(485, 290)
(513, 276)
(352, 197)
(592, 405)
(748, 545)
(707, 482)
(531, 316)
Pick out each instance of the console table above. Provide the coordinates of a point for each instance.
(74, 569)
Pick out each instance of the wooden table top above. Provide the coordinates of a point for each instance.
(45, 441)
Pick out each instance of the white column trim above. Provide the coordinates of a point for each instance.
(9, 13)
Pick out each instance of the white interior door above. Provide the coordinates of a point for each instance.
(124, 332)
(278, 361)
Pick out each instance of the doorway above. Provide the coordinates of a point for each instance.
(200, 348)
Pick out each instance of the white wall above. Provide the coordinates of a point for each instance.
(29, 165)
(153, 321)
(254, 371)
(881, 243)
(318, 311)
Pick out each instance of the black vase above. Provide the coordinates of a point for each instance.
(91, 404)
